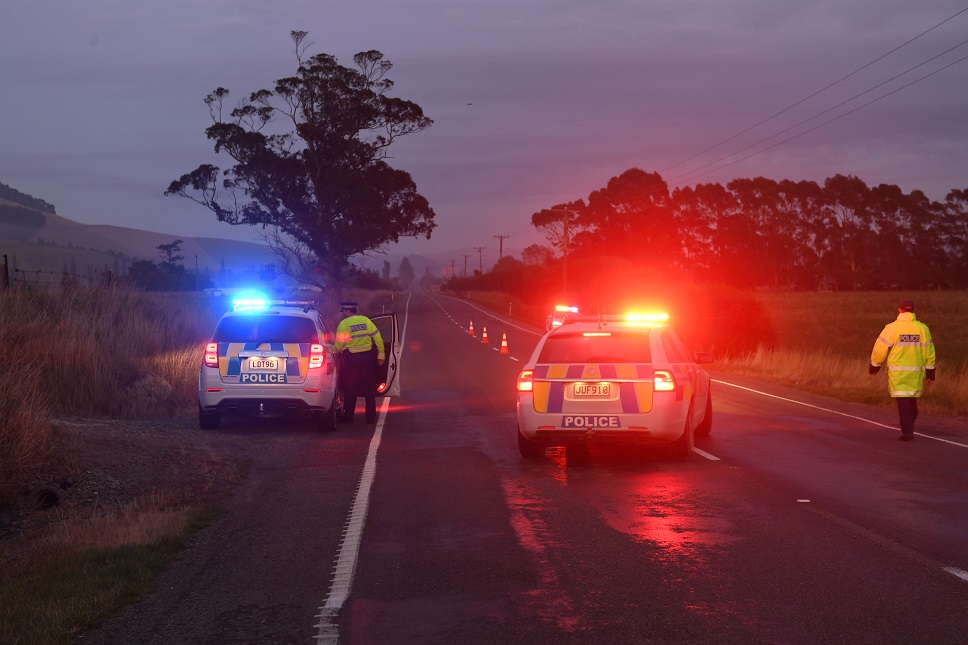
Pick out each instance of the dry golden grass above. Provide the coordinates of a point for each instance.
(106, 351)
(824, 341)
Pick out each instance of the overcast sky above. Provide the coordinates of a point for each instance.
(534, 102)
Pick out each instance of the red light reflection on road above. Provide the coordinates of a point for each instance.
(665, 509)
(548, 601)
(662, 508)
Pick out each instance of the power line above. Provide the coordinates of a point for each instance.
(681, 177)
(839, 116)
(807, 98)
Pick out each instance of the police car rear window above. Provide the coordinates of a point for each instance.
(266, 329)
(576, 348)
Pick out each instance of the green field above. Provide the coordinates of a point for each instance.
(824, 340)
(846, 324)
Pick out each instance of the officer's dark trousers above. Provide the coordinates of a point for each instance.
(907, 412)
(358, 378)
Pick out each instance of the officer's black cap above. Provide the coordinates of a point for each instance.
(905, 305)
(347, 306)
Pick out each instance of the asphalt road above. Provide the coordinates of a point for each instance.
(800, 520)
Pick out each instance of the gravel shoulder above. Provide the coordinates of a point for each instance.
(108, 465)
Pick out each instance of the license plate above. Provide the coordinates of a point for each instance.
(592, 390)
(264, 364)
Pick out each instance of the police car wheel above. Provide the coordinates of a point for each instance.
(706, 425)
(339, 406)
(682, 447)
(327, 420)
(208, 420)
(530, 449)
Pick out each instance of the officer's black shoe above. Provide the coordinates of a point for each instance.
(371, 419)
(905, 437)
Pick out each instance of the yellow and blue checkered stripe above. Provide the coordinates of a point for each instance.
(229, 363)
(634, 381)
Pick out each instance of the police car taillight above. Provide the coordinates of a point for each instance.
(664, 381)
(526, 381)
(211, 355)
(316, 356)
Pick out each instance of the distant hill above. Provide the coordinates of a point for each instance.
(40, 241)
(35, 239)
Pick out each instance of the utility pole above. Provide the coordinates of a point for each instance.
(480, 261)
(465, 264)
(500, 246)
(453, 269)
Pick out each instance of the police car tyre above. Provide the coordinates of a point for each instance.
(530, 449)
(327, 420)
(706, 425)
(682, 447)
(208, 420)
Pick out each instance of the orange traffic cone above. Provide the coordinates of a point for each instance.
(504, 343)
(484, 340)
(470, 332)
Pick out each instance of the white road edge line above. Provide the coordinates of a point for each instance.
(843, 414)
(327, 633)
(326, 630)
(955, 571)
(705, 454)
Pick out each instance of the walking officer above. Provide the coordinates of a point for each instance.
(906, 346)
(359, 346)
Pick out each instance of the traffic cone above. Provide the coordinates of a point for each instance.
(470, 332)
(504, 343)
(484, 340)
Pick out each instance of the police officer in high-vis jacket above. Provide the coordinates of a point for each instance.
(359, 346)
(906, 346)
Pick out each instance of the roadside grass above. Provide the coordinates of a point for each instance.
(72, 353)
(80, 574)
(824, 340)
(105, 352)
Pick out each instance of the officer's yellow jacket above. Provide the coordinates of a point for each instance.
(906, 346)
(358, 334)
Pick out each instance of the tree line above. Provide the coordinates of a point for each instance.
(762, 233)
(12, 194)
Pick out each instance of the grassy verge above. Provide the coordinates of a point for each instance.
(75, 578)
(105, 353)
(824, 341)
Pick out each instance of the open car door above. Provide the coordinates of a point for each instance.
(388, 374)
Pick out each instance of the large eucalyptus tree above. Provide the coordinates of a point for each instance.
(309, 164)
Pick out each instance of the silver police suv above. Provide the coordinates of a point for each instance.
(269, 358)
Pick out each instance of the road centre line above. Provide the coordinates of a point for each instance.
(843, 414)
(491, 314)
